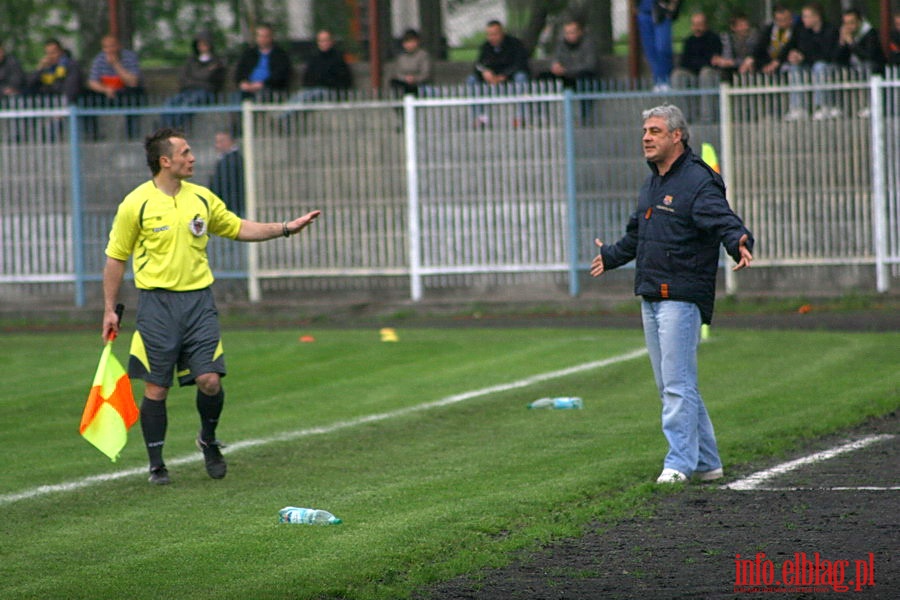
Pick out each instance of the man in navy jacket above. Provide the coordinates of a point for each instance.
(682, 216)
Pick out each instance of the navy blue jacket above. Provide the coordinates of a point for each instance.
(674, 235)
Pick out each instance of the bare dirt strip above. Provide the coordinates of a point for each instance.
(826, 530)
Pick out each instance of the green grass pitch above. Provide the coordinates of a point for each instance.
(424, 494)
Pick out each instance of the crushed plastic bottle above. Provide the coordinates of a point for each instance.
(307, 516)
(561, 402)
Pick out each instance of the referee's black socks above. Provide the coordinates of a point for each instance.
(153, 425)
(209, 407)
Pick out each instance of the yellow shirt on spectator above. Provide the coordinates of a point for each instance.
(167, 235)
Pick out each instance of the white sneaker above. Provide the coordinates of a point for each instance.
(826, 112)
(865, 113)
(795, 114)
(709, 475)
(671, 476)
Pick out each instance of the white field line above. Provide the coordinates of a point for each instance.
(756, 481)
(78, 484)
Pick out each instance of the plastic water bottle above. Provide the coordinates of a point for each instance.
(557, 403)
(307, 516)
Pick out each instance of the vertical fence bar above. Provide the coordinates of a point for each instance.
(77, 206)
(412, 190)
(879, 193)
(571, 193)
(253, 290)
(725, 128)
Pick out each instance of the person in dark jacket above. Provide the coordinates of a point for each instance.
(774, 42)
(893, 57)
(812, 53)
(859, 47)
(263, 69)
(12, 76)
(674, 235)
(227, 181)
(502, 59)
(696, 68)
(327, 69)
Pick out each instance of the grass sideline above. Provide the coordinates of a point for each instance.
(425, 496)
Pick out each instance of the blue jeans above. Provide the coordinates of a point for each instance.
(672, 331)
(817, 74)
(656, 38)
(476, 86)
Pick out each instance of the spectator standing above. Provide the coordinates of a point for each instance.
(859, 46)
(177, 326)
(774, 42)
(502, 59)
(681, 219)
(696, 69)
(227, 181)
(412, 68)
(893, 57)
(12, 77)
(738, 45)
(201, 79)
(655, 19)
(263, 69)
(115, 80)
(812, 52)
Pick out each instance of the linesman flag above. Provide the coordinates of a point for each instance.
(708, 154)
(110, 409)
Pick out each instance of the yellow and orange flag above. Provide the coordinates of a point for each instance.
(708, 154)
(110, 409)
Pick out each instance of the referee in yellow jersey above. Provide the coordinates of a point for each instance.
(164, 225)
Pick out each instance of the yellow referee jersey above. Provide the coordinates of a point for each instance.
(167, 236)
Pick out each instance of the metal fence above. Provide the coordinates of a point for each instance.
(457, 186)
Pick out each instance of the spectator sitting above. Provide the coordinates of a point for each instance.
(502, 59)
(813, 51)
(737, 46)
(893, 57)
(697, 70)
(227, 181)
(200, 80)
(326, 71)
(774, 43)
(57, 74)
(412, 68)
(115, 80)
(263, 69)
(859, 47)
(12, 77)
(574, 59)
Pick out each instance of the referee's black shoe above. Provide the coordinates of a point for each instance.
(212, 455)
(159, 475)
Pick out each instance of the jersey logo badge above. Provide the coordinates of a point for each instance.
(197, 226)
(667, 200)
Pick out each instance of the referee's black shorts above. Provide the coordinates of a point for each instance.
(176, 332)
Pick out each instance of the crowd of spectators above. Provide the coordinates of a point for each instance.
(804, 48)
(800, 47)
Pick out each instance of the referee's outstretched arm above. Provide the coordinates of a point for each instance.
(253, 231)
